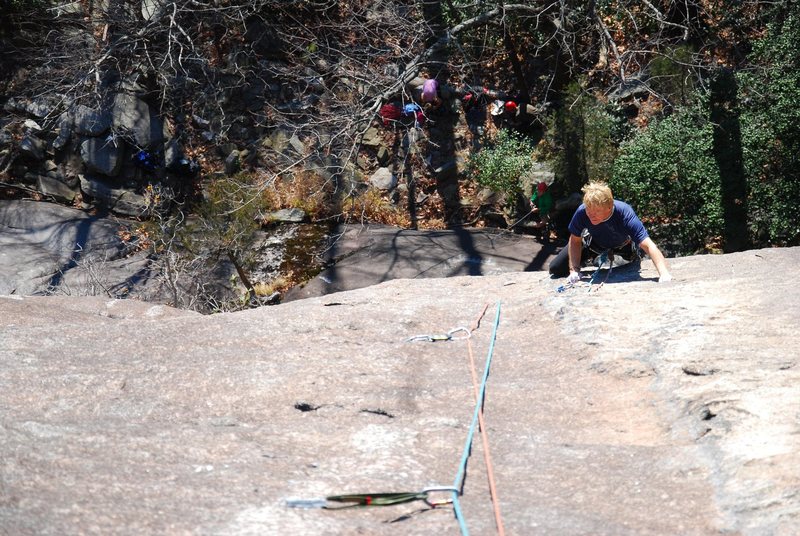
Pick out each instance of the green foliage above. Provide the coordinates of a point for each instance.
(770, 93)
(670, 75)
(229, 211)
(668, 173)
(500, 163)
(457, 10)
(583, 137)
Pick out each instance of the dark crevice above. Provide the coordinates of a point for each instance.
(706, 414)
(696, 372)
(378, 412)
(304, 407)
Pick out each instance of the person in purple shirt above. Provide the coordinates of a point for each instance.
(603, 224)
(430, 93)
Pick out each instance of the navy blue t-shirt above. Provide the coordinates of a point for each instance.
(615, 231)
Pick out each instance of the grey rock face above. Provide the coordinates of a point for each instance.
(165, 421)
(361, 256)
(120, 200)
(102, 155)
(89, 122)
(39, 242)
(131, 114)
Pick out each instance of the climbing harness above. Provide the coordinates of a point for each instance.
(443, 336)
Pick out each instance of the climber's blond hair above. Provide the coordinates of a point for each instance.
(597, 194)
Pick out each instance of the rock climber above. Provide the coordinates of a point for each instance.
(604, 224)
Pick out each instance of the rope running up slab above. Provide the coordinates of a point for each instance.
(458, 483)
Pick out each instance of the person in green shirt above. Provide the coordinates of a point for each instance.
(541, 204)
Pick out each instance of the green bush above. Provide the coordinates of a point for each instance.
(582, 138)
(671, 77)
(501, 162)
(770, 93)
(669, 174)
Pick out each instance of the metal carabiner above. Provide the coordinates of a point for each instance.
(434, 489)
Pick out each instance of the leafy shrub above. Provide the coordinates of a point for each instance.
(770, 92)
(669, 174)
(670, 75)
(582, 138)
(500, 163)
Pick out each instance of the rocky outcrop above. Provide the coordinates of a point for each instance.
(635, 408)
(41, 242)
(98, 154)
(47, 248)
(361, 256)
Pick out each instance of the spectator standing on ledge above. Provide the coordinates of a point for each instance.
(603, 224)
(542, 204)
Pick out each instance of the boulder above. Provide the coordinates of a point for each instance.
(278, 141)
(233, 162)
(450, 170)
(132, 115)
(31, 126)
(286, 215)
(103, 155)
(64, 132)
(118, 200)
(54, 187)
(298, 145)
(383, 179)
(383, 156)
(38, 107)
(33, 147)
(5, 137)
(372, 138)
(89, 122)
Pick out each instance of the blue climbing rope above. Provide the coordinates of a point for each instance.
(458, 483)
(603, 258)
